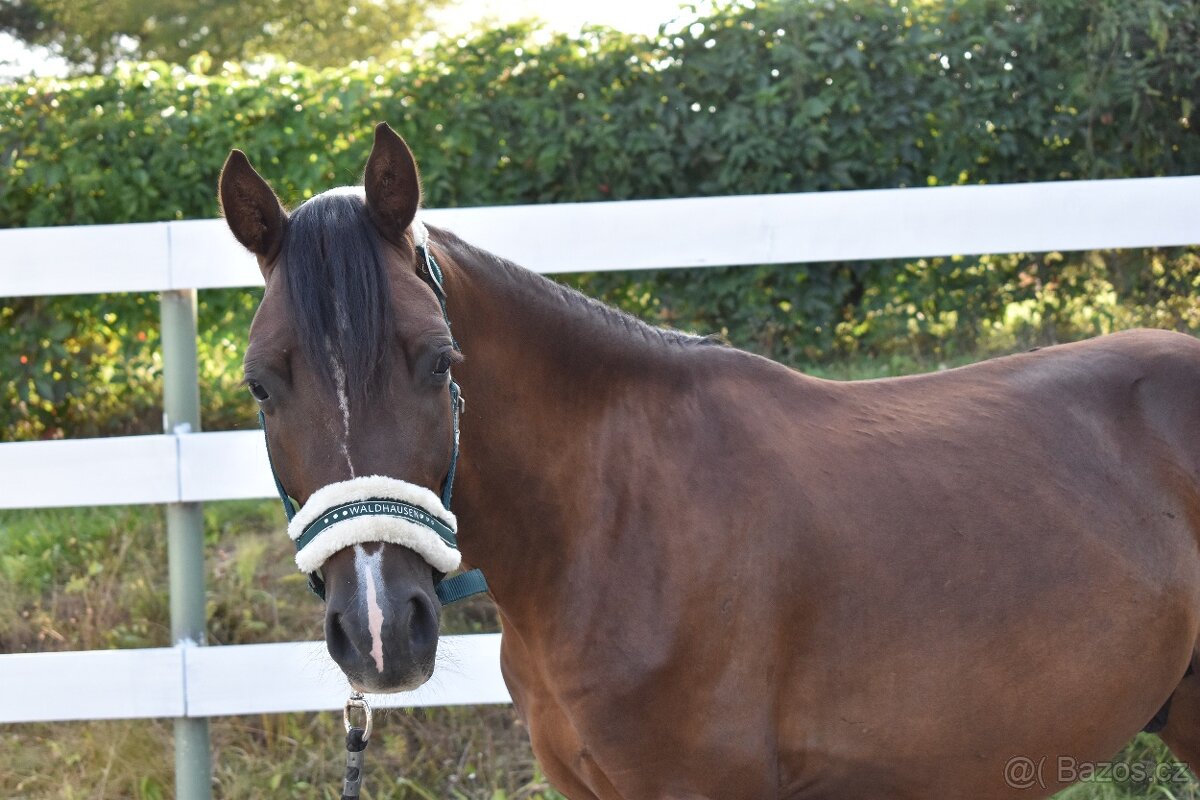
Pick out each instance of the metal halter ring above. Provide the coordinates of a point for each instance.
(356, 700)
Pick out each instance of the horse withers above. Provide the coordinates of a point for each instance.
(718, 577)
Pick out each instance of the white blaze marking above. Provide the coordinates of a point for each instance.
(339, 376)
(370, 584)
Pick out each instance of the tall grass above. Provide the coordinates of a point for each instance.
(478, 753)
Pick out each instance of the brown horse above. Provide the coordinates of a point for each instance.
(718, 577)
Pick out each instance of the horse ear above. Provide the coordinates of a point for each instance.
(251, 209)
(392, 184)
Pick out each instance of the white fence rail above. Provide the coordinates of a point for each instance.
(196, 467)
(642, 234)
(190, 681)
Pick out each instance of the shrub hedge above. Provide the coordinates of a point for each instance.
(772, 96)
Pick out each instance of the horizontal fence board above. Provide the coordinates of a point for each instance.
(96, 684)
(642, 234)
(300, 676)
(204, 255)
(89, 472)
(226, 680)
(228, 465)
(224, 465)
(84, 259)
(837, 226)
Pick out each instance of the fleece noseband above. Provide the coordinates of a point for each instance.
(376, 508)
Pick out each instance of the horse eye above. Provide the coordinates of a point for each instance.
(256, 389)
(443, 364)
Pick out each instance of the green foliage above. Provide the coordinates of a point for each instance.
(93, 35)
(1144, 769)
(778, 97)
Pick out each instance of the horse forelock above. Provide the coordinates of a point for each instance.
(338, 289)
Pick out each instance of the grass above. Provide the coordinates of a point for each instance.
(1144, 769)
(95, 578)
(478, 753)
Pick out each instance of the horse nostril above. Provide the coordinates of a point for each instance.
(337, 640)
(422, 623)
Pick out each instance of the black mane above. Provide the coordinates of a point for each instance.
(338, 289)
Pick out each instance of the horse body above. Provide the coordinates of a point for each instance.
(720, 578)
(986, 563)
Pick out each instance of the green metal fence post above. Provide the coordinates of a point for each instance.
(185, 532)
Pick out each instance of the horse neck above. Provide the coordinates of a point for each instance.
(554, 387)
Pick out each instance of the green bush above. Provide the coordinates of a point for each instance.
(767, 97)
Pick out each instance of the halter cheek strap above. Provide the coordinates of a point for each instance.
(380, 509)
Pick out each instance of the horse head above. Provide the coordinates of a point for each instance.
(349, 359)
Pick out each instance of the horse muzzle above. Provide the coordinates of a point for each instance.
(382, 631)
(372, 545)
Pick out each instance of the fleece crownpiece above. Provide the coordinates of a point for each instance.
(374, 508)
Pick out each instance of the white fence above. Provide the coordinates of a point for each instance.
(190, 681)
(642, 234)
